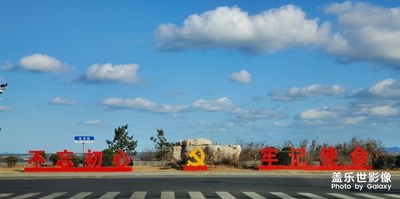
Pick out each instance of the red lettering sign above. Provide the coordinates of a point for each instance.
(65, 159)
(268, 155)
(37, 158)
(328, 156)
(93, 159)
(295, 155)
(93, 162)
(121, 159)
(359, 156)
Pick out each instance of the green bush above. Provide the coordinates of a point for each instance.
(283, 156)
(108, 156)
(397, 163)
(77, 160)
(54, 158)
(11, 161)
(385, 162)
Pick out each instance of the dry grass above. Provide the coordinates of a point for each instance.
(153, 169)
(6, 170)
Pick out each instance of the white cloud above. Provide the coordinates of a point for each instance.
(230, 27)
(242, 77)
(142, 104)
(389, 88)
(126, 73)
(222, 103)
(315, 114)
(255, 114)
(40, 63)
(354, 120)
(7, 65)
(366, 32)
(94, 122)
(309, 91)
(62, 101)
(381, 111)
(4, 108)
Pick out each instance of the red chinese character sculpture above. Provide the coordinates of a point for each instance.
(268, 155)
(121, 159)
(93, 159)
(37, 158)
(295, 155)
(93, 162)
(359, 157)
(65, 159)
(328, 156)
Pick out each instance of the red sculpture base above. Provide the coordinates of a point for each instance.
(310, 167)
(195, 168)
(78, 169)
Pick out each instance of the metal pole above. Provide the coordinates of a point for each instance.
(83, 154)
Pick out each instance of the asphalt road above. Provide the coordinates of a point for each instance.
(186, 187)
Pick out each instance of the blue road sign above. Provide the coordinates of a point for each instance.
(84, 139)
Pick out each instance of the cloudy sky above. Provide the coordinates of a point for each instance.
(264, 71)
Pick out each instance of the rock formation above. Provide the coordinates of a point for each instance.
(214, 153)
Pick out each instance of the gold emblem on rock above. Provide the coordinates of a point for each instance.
(198, 156)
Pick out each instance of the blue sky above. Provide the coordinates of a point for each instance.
(264, 71)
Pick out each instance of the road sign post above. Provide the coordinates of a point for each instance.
(84, 140)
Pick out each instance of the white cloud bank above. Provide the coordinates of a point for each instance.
(314, 114)
(364, 32)
(222, 103)
(255, 114)
(385, 110)
(313, 90)
(41, 63)
(108, 73)
(242, 77)
(62, 101)
(389, 88)
(142, 104)
(94, 122)
(232, 28)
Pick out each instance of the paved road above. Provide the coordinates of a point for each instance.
(185, 187)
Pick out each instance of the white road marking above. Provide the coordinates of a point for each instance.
(138, 195)
(254, 195)
(341, 196)
(80, 195)
(167, 195)
(311, 195)
(392, 195)
(109, 195)
(196, 195)
(369, 196)
(53, 195)
(282, 195)
(5, 194)
(28, 195)
(225, 195)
